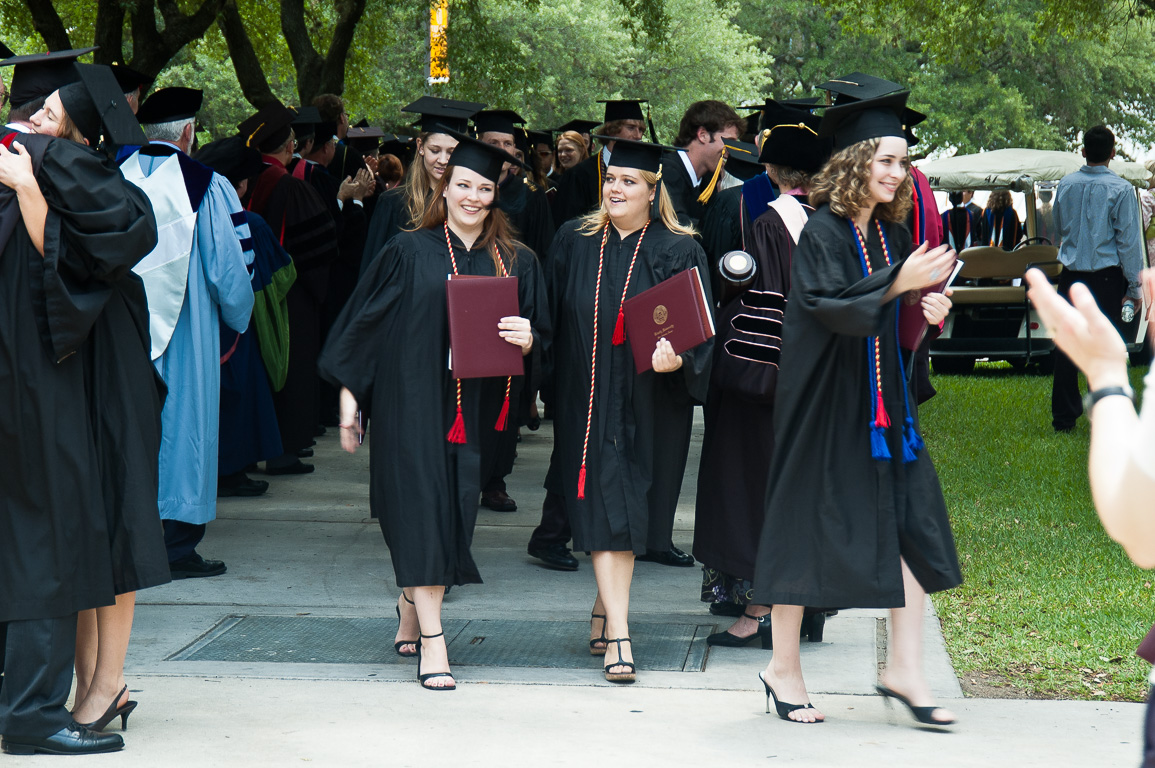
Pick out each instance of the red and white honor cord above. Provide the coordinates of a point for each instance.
(618, 339)
(457, 431)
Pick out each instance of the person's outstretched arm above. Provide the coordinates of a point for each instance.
(1122, 456)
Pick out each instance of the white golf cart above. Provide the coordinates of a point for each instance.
(992, 318)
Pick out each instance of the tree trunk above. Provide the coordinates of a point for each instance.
(250, 75)
(47, 22)
(109, 34)
(317, 74)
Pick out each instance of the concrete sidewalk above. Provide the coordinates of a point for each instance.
(308, 549)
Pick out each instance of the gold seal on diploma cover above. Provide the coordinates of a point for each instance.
(661, 314)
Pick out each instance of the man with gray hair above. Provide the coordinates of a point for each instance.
(196, 277)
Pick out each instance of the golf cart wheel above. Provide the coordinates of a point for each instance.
(956, 366)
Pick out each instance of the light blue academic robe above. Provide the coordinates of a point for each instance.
(219, 288)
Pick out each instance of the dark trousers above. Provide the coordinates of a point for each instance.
(181, 539)
(672, 436)
(1108, 286)
(1149, 733)
(554, 528)
(39, 656)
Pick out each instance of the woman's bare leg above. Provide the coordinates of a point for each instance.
(113, 631)
(614, 572)
(784, 672)
(434, 654)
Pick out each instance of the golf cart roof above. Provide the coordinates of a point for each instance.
(1016, 169)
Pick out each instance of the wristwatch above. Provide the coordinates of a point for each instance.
(1095, 395)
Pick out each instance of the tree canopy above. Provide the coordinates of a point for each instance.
(1030, 73)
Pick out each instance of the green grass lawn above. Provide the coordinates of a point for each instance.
(1050, 606)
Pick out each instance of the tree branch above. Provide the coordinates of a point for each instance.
(332, 80)
(109, 31)
(306, 60)
(47, 22)
(247, 65)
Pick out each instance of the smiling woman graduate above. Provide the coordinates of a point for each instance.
(388, 351)
(608, 415)
(855, 516)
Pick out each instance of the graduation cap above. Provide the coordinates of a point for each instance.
(911, 118)
(269, 128)
(858, 121)
(858, 86)
(642, 156)
(6, 52)
(170, 104)
(364, 138)
(437, 113)
(97, 106)
(305, 123)
(324, 132)
(578, 126)
(231, 158)
(129, 79)
(37, 75)
(401, 147)
(742, 159)
(790, 138)
(497, 121)
(623, 109)
(478, 156)
(540, 137)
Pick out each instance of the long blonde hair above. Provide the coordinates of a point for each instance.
(596, 220)
(417, 185)
(844, 183)
(496, 236)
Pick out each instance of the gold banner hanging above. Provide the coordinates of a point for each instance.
(438, 42)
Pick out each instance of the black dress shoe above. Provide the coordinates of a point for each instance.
(556, 556)
(498, 501)
(195, 567)
(299, 468)
(305, 453)
(73, 739)
(240, 485)
(673, 556)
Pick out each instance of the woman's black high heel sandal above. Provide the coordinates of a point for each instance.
(111, 713)
(599, 644)
(781, 707)
(423, 678)
(922, 714)
(725, 639)
(621, 677)
(401, 644)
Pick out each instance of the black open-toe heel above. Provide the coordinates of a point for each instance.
(595, 649)
(423, 678)
(399, 645)
(725, 639)
(112, 712)
(621, 677)
(922, 714)
(783, 708)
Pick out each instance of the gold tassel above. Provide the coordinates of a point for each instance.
(709, 190)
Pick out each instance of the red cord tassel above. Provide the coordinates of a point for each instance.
(582, 482)
(502, 417)
(620, 329)
(457, 431)
(881, 418)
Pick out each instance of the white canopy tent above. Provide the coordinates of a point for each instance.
(1015, 169)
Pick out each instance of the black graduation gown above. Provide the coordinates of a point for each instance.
(528, 211)
(739, 418)
(681, 189)
(837, 519)
(577, 190)
(306, 230)
(390, 216)
(55, 553)
(630, 409)
(390, 348)
(724, 227)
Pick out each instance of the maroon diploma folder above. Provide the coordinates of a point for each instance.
(675, 309)
(912, 325)
(476, 306)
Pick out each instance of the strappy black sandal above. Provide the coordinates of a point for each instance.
(621, 677)
(424, 678)
(599, 644)
(399, 645)
(784, 708)
(922, 714)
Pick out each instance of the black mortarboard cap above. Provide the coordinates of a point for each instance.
(642, 155)
(231, 158)
(400, 146)
(97, 106)
(40, 74)
(911, 118)
(437, 113)
(5, 51)
(497, 121)
(790, 138)
(540, 137)
(269, 128)
(364, 138)
(483, 158)
(128, 78)
(578, 126)
(307, 116)
(753, 121)
(323, 132)
(858, 121)
(169, 104)
(623, 109)
(858, 86)
(742, 159)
